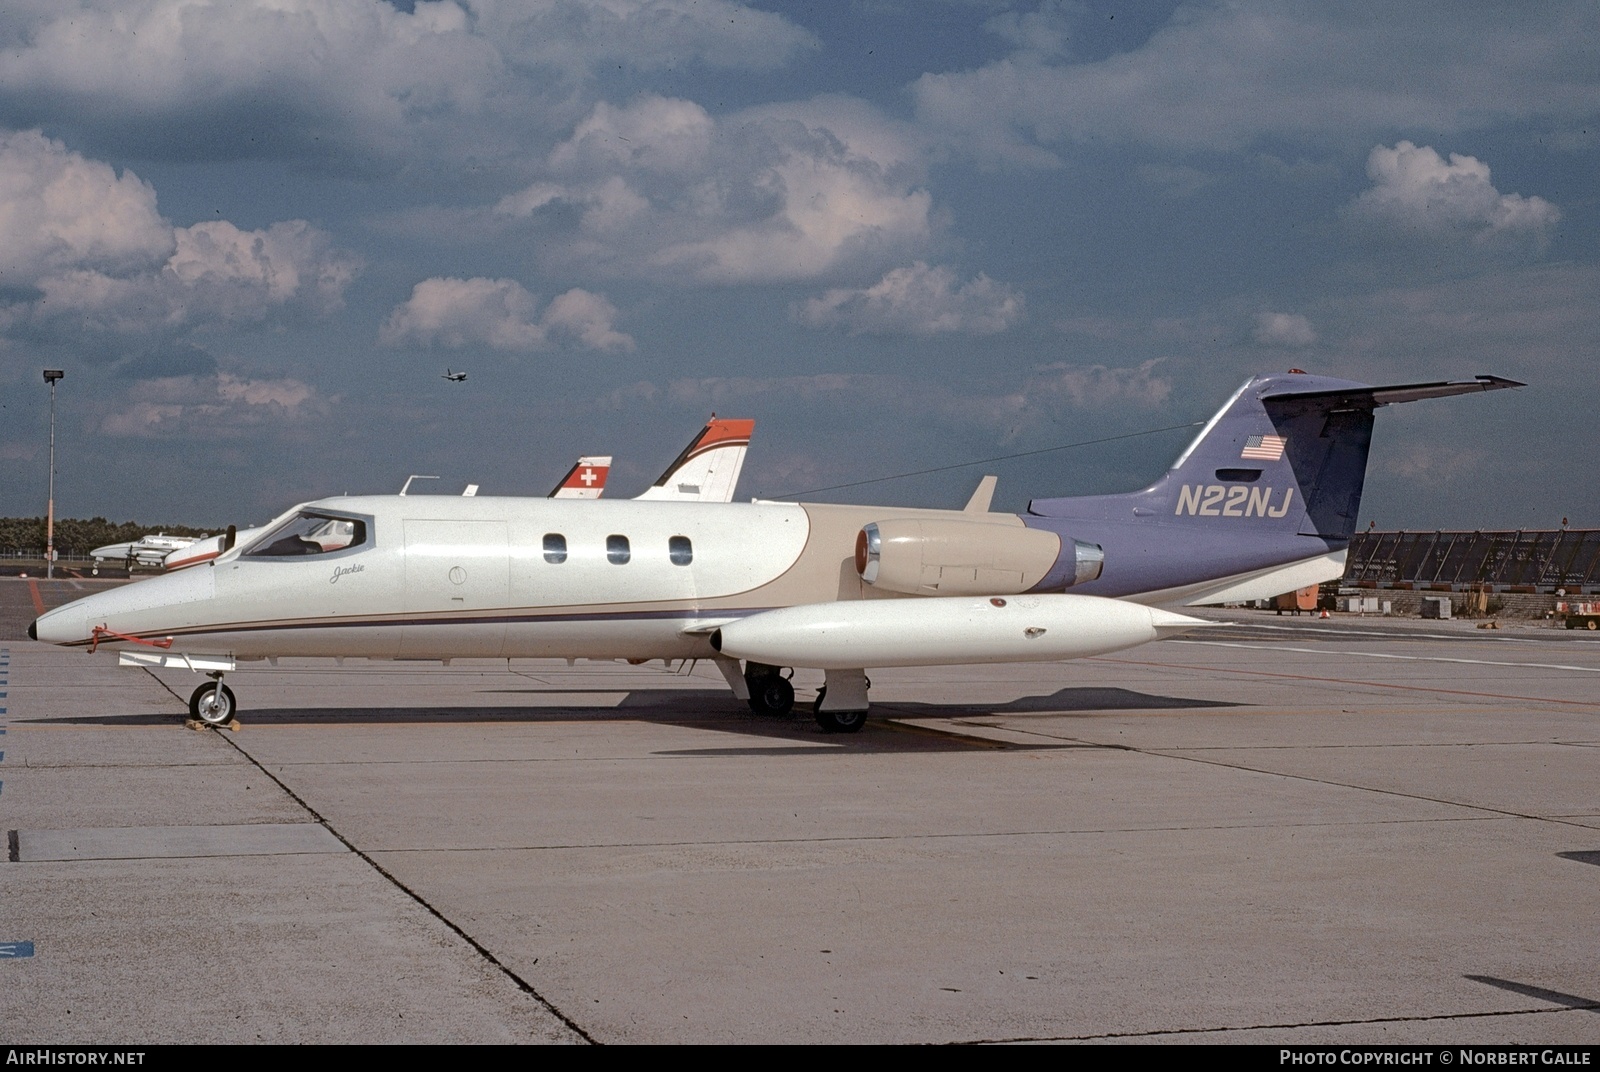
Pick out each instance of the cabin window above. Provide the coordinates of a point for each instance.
(555, 548)
(680, 550)
(310, 534)
(617, 551)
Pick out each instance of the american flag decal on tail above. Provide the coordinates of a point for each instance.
(1265, 448)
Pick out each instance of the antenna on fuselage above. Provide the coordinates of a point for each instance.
(414, 476)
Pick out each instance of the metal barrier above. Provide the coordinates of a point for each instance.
(1537, 560)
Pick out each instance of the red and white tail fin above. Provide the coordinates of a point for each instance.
(585, 480)
(708, 469)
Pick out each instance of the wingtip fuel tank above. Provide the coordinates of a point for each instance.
(946, 629)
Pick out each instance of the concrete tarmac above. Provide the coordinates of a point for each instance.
(1280, 830)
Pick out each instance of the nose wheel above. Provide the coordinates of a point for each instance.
(213, 703)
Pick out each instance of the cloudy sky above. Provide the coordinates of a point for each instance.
(900, 235)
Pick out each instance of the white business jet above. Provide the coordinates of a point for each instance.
(1263, 501)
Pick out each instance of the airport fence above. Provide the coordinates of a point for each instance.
(1527, 561)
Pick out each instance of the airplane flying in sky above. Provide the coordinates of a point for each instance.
(455, 377)
(1263, 501)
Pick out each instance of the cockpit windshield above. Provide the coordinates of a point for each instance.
(310, 534)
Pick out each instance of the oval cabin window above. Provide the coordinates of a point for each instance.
(680, 550)
(617, 552)
(555, 547)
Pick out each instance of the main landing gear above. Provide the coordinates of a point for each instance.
(213, 703)
(770, 692)
(840, 707)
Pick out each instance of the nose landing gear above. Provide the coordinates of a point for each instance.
(213, 703)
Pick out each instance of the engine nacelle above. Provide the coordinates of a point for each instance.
(925, 557)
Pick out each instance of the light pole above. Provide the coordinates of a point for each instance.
(51, 376)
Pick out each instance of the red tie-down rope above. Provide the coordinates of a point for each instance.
(100, 632)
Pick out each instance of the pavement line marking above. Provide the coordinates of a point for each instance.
(974, 835)
(38, 600)
(1343, 681)
(1374, 634)
(1384, 655)
(1379, 634)
(1161, 1032)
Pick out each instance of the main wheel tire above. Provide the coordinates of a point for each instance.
(213, 704)
(771, 695)
(1593, 624)
(838, 721)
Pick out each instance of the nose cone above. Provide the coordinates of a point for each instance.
(64, 625)
(141, 608)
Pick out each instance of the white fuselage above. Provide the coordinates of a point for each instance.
(446, 576)
(443, 577)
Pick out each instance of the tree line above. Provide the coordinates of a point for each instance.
(76, 536)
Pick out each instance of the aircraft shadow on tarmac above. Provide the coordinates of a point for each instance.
(1555, 997)
(716, 709)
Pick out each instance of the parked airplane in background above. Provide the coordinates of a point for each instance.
(455, 377)
(707, 470)
(150, 549)
(585, 480)
(1263, 501)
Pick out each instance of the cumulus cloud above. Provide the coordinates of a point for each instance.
(1223, 76)
(226, 405)
(1284, 329)
(1414, 188)
(1047, 391)
(1091, 386)
(658, 188)
(918, 300)
(77, 240)
(59, 211)
(1432, 463)
(501, 313)
(321, 78)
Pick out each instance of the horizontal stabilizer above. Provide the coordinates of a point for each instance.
(1404, 392)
